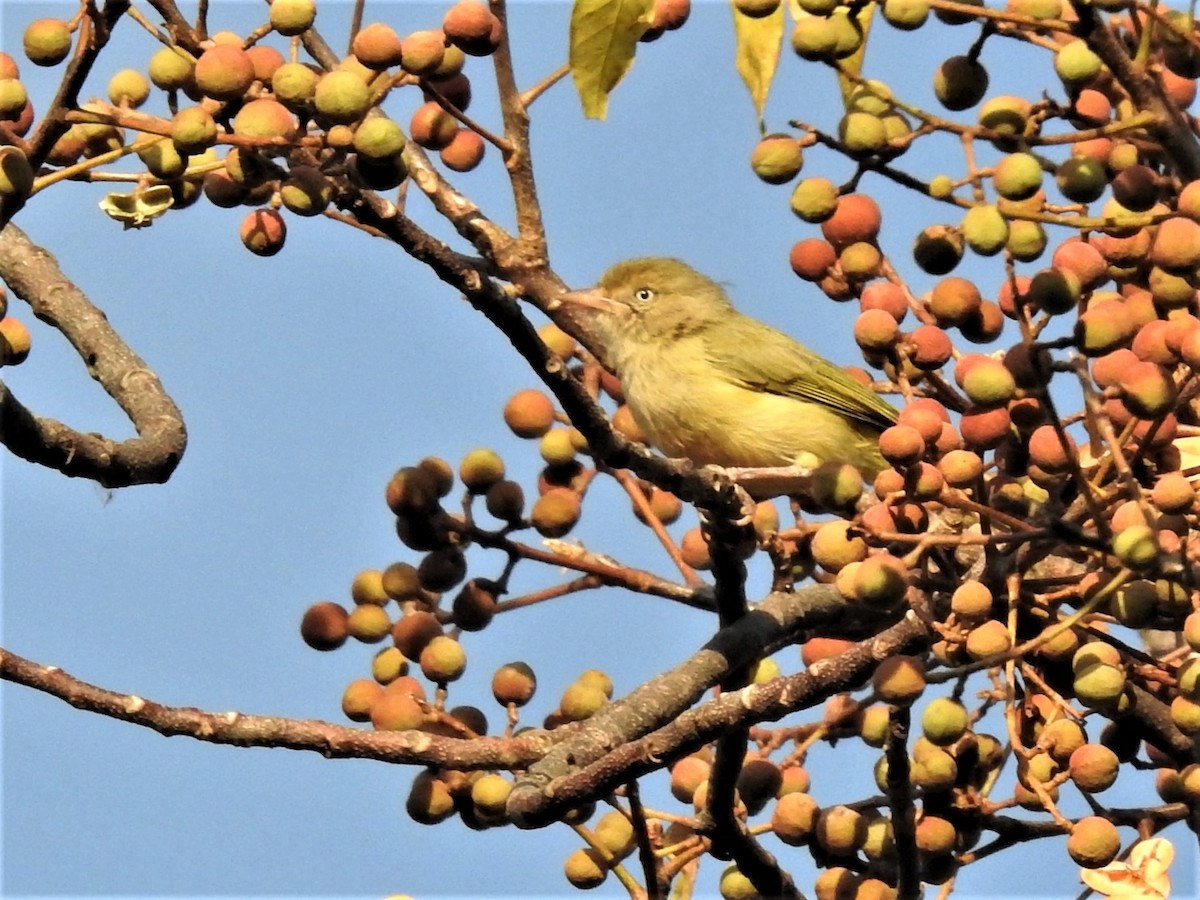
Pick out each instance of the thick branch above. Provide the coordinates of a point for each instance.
(33, 275)
(1170, 125)
(650, 727)
(519, 161)
(331, 741)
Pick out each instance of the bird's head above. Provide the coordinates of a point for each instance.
(653, 300)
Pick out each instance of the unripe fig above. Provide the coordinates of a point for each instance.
(862, 133)
(1185, 715)
(294, 85)
(986, 381)
(1147, 390)
(934, 770)
(429, 800)
(223, 72)
(907, 15)
(1177, 245)
(324, 626)
(1076, 64)
(413, 631)
(396, 712)
(814, 38)
(985, 229)
(585, 869)
(1017, 176)
(471, 26)
(555, 512)
(669, 15)
(794, 818)
(777, 158)
(505, 500)
(263, 232)
(856, 218)
(1081, 179)
(432, 127)
(529, 413)
(265, 118)
(1099, 685)
(938, 249)
(474, 605)
(127, 88)
(171, 69)
(341, 97)
(388, 665)
(290, 17)
(47, 41)
(899, 679)
(441, 570)
(834, 548)
(423, 53)
(757, 8)
(468, 21)
(814, 199)
(1094, 842)
(306, 191)
(599, 680)
(944, 721)
(960, 82)
(514, 683)
(443, 659)
(1094, 767)
(490, 793)
(464, 152)
(991, 638)
(193, 130)
(378, 138)
(369, 623)
(935, 835)
(1136, 547)
(961, 468)
(581, 701)
(812, 259)
(358, 698)
(480, 469)
(266, 60)
(840, 830)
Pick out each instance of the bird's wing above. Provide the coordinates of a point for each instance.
(763, 359)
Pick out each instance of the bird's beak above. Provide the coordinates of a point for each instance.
(593, 299)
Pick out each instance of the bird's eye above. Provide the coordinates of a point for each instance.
(644, 294)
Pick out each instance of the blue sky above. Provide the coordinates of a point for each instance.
(306, 380)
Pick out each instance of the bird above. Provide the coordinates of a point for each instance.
(706, 382)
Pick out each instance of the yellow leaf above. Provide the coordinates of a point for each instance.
(604, 34)
(758, 43)
(136, 210)
(853, 62)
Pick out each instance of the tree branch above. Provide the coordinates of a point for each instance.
(33, 275)
(331, 741)
(653, 725)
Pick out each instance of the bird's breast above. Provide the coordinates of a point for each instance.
(689, 407)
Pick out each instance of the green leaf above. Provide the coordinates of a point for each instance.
(759, 40)
(604, 34)
(140, 208)
(853, 63)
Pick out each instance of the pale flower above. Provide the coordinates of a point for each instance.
(1143, 875)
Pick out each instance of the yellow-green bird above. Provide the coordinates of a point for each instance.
(706, 382)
